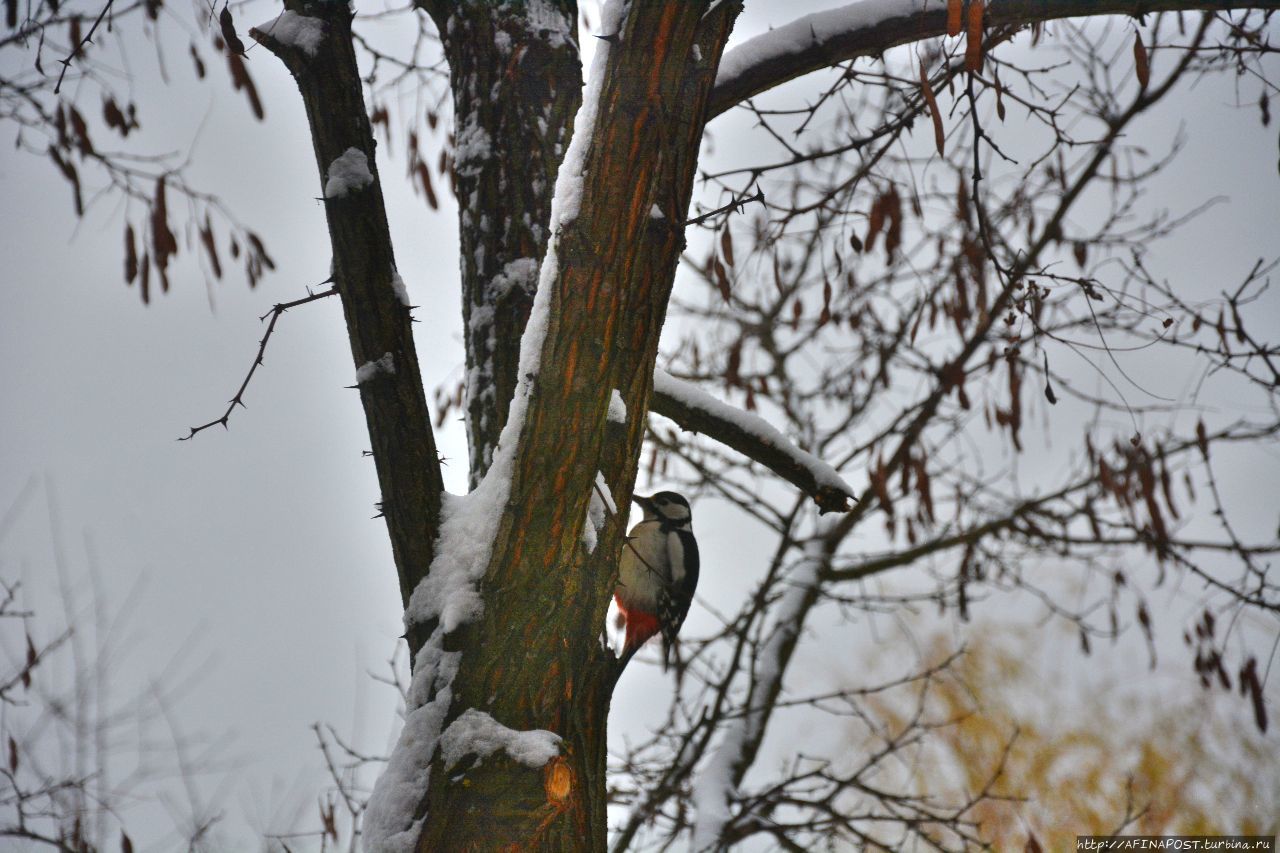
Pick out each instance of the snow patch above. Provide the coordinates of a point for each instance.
(370, 369)
(476, 733)
(471, 148)
(546, 20)
(402, 292)
(655, 212)
(617, 408)
(297, 31)
(599, 508)
(521, 273)
(347, 174)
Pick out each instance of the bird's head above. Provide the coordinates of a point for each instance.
(670, 507)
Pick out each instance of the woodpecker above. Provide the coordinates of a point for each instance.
(658, 572)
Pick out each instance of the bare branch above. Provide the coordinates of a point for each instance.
(238, 399)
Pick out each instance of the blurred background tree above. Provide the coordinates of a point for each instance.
(1060, 757)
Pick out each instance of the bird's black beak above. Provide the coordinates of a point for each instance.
(644, 502)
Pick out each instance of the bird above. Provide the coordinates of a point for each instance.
(657, 573)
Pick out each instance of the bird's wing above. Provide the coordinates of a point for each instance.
(673, 601)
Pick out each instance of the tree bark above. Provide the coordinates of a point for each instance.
(517, 84)
(534, 659)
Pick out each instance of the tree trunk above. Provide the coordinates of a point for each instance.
(533, 657)
(517, 84)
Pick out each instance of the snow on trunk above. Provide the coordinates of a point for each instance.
(617, 408)
(448, 595)
(348, 173)
(370, 369)
(477, 735)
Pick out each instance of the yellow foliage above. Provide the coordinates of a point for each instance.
(1055, 765)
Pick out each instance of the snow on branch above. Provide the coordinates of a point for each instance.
(820, 38)
(752, 436)
(871, 27)
(717, 781)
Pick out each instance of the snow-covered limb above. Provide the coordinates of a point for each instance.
(870, 27)
(793, 49)
(716, 782)
(752, 436)
(363, 261)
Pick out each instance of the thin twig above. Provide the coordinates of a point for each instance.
(78, 49)
(274, 314)
(736, 205)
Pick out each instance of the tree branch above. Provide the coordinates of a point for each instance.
(238, 399)
(317, 49)
(753, 437)
(871, 27)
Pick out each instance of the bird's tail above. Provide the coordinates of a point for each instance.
(671, 660)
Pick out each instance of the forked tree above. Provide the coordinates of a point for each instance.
(889, 283)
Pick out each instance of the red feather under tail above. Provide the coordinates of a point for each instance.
(640, 626)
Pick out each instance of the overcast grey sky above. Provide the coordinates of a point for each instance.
(257, 545)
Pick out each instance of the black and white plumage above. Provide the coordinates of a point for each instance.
(658, 572)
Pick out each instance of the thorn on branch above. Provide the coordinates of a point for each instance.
(734, 206)
(77, 49)
(238, 399)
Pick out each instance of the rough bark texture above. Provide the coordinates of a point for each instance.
(517, 84)
(534, 659)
